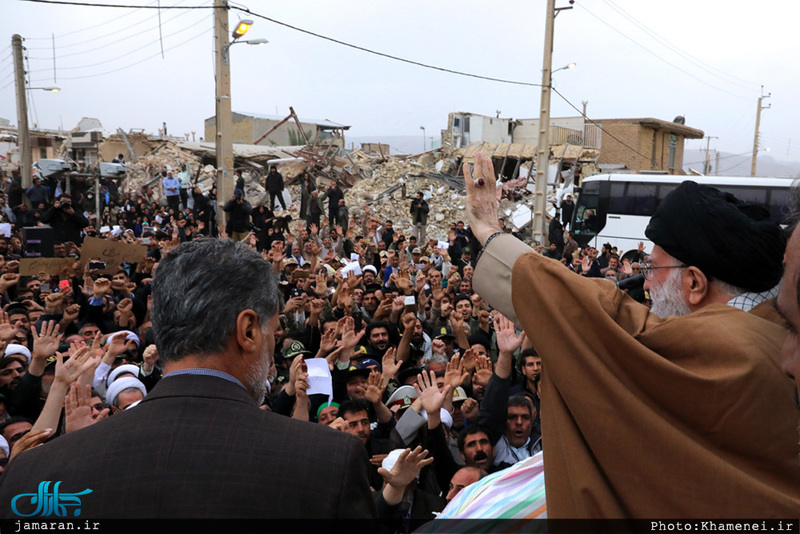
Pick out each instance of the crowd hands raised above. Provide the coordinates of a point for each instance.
(419, 364)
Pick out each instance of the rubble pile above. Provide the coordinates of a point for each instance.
(390, 180)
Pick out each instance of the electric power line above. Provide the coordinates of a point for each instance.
(110, 34)
(127, 53)
(123, 6)
(382, 54)
(92, 27)
(661, 58)
(720, 158)
(692, 59)
(620, 141)
(157, 54)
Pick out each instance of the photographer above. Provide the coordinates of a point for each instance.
(66, 222)
(239, 210)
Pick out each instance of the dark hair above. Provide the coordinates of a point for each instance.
(193, 313)
(379, 324)
(353, 406)
(469, 431)
(12, 420)
(521, 400)
(461, 296)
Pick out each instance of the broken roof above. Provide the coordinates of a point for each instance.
(323, 124)
(242, 151)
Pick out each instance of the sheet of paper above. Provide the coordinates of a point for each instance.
(443, 245)
(319, 377)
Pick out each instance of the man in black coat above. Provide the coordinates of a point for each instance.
(67, 223)
(274, 186)
(334, 196)
(198, 446)
(239, 209)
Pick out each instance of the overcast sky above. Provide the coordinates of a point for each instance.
(704, 60)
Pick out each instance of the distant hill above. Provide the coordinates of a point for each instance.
(736, 165)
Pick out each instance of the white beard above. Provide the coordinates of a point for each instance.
(667, 299)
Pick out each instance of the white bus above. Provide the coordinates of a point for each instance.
(615, 208)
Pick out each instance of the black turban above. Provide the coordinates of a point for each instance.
(726, 238)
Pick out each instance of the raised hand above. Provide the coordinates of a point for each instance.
(78, 363)
(483, 370)
(53, 303)
(45, 343)
(454, 374)
(430, 396)
(405, 469)
(389, 365)
(101, 287)
(469, 408)
(7, 332)
(30, 440)
(375, 388)
(150, 358)
(507, 339)
(78, 408)
(295, 370)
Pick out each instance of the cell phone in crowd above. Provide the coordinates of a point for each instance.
(45, 287)
(145, 241)
(63, 285)
(97, 265)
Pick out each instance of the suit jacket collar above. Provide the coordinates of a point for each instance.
(210, 387)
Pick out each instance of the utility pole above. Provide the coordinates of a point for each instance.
(585, 103)
(23, 136)
(707, 166)
(758, 124)
(543, 150)
(716, 165)
(224, 115)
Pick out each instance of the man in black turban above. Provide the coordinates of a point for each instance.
(710, 248)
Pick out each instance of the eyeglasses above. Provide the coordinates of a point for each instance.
(647, 270)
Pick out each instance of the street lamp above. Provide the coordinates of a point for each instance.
(250, 42)
(424, 147)
(241, 28)
(51, 89)
(570, 66)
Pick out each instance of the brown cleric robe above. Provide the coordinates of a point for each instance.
(644, 417)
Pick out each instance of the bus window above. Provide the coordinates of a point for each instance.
(632, 199)
(664, 190)
(586, 221)
(618, 201)
(778, 209)
(747, 194)
(643, 197)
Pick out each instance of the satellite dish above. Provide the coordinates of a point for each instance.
(680, 119)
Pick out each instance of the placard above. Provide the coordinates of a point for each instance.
(114, 253)
(34, 266)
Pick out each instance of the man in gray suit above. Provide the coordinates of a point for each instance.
(198, 446)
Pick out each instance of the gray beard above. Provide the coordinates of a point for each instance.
(667, 299)
(256, 377)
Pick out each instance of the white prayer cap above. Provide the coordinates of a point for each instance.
(127, 368)
(120, 385)
(13, 348)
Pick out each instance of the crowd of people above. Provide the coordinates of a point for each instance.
(438, 386)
